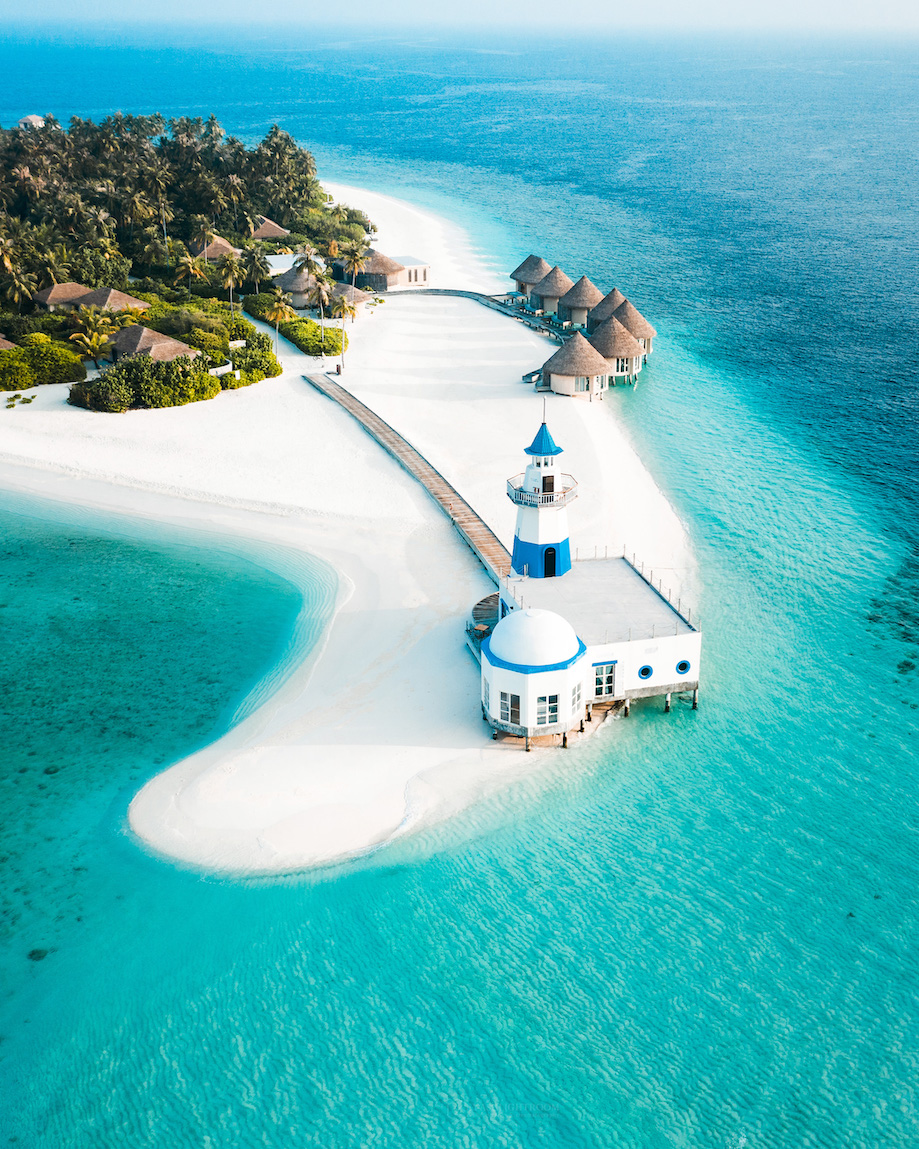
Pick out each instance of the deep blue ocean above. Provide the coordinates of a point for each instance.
(695, 931)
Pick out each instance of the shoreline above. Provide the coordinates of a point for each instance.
(376, 731)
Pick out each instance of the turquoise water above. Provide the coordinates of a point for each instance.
(695, 931)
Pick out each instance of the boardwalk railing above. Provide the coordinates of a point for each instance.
(483, 542)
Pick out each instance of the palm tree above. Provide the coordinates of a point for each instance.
(92, 321)
(279, 311)
(192, 266)
(355, 257)
(231, 273)
(320, 295)
(346, 309)
(91, 345)
(255, 266)
(308, 258)
(19, 285)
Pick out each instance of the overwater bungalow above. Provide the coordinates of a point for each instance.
(533, 269)
(546, 294)
(61, 296)
(267, 229)
(578, 301)
(576, 368)
(635, 323)
(605, 308)
(623, 353)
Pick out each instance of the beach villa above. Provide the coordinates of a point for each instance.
(61, 296)
(267, 229)
(575, 305)
(108, 299)
(623, 353)
(137, 340)
(636, 324)
(561, 638)
(381, 273)
(216, 249)
(605, 308)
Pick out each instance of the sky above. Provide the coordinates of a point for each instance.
(479, 15)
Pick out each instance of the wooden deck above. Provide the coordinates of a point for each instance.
(481, 539)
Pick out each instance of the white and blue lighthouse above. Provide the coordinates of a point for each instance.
(541, 495)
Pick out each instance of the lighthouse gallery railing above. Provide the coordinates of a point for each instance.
(523, 498)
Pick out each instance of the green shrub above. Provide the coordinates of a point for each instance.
(307, 335)
(215, 345)
(108, 393)
(258, 305)
(141, 382)
(15, 372)
(51, 362)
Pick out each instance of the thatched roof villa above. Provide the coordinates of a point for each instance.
(216, 249)
(529, 273)
(605, 308)
(634, 322)
(61, 296)
(29, 122)
(623, 353)
(546, 294)
(299, 284)
(137, 340)
(267, 229)
(108, 299)
(575, 304)
(576, 368)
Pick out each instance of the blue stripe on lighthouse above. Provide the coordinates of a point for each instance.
(533, 557)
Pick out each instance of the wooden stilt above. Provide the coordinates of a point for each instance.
(667, 701)
(564, 741)
(695, 699)
(628, 707)
(528, 744)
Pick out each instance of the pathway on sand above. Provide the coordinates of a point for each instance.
(483, 541)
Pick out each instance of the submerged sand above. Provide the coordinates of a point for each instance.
(378, 730)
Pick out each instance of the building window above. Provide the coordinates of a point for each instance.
(575, 699)
(605, 679)
(547, 710)
(510, 708)
(582, 384)
(486, 696)
(622, 366)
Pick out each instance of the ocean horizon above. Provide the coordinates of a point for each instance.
(698, 930)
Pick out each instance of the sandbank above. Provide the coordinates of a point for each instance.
(378, 731)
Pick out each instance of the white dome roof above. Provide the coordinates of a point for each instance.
(534, 638)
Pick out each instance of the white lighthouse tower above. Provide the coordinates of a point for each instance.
(541, 495)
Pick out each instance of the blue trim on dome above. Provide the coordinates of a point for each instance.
(524, 668)
(543, 444)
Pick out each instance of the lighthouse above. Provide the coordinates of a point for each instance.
(541, 495)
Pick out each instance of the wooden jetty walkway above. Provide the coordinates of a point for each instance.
(484, 543)
(511, 310)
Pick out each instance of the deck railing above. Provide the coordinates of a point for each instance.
(523, 498)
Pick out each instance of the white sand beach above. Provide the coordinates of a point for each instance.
(379, 730)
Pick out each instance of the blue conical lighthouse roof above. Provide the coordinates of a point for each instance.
(543, 444)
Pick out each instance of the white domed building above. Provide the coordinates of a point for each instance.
(533, 672)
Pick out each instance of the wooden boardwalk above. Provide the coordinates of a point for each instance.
(483, 541)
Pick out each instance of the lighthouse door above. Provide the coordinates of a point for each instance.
(548, 484)
(549, 569)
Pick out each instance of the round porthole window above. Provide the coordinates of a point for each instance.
(682, 667)
(645, 672)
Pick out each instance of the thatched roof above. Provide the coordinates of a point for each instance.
(613, 341)
(216, 248)
(268, 229)
(376, 263)
(61, 293)
(583, 294)
(296, 279)
(108, 299)
(632, 319)
(554, 285)
(532, 270)
(5, 344)
(353, 294)
(576, 357)
(607, 305)
(137, 340)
